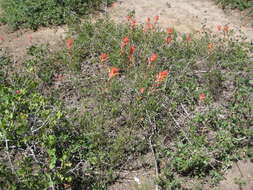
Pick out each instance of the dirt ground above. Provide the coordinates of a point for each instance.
(240, 172)
(185, 16)
(16, 43)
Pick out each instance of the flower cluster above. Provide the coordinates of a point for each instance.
(132, 21)
(128, 50)
(149, 26)
(103, 57)
(170, 33)
(113, 72)
(224, 28)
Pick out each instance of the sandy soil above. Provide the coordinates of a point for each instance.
(16, 43)
(242, 170)
(184, 15)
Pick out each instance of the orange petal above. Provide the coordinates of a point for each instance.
(202, 97)
(153, 57)
(156, 18)
(210, 46)
(103, 57)
(162, 76)
(113, 72)
(226, 28)
(69, 43)
(170, 30)
(142, 90)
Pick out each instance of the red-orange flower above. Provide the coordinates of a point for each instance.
(132, 50)
(103, 57)
(156, 18)
(168, 39)
(132, 21)
(226, 28)
(69, 43)
(162, 76)
(219, 27)
(202, 97)
(124, 42)
(113, 72)
(148, 26)
(170, 30)
(142, 90)
(153, 58)
(210, 46)
(129, 18)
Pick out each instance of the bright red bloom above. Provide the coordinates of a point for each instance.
(132, 50)
(103, 57)
(168, 39)
(129, 18)
(226, 28)
(170, 30)
(113, 72)
(162, 76)
(18, 92)
(202, 97)
(210, 46)
(156, 18)
(124, 42)
(69, 43)
(142, 90)
(153, 58)
(148, 26)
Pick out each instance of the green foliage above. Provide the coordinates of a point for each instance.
(68, 125)
(34, 13)
(41, 146)
(239, 4)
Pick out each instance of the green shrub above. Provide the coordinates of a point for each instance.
(74, 126)
(35, 13)
(239, 4)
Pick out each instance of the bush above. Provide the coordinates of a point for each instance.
(79, 117)
(239, 4)
(35, 13)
